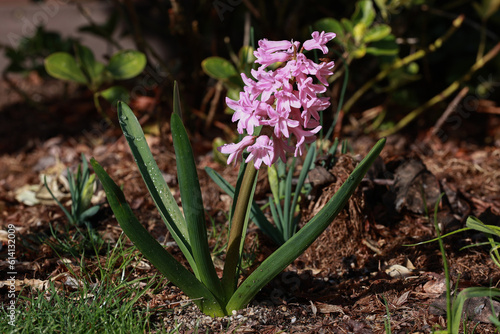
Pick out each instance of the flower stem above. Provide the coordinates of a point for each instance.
(236, 231)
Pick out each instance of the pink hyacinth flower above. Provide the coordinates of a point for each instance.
(285, 102)
(318, 41)
(261, 151)
(235, 151)
(273, 46)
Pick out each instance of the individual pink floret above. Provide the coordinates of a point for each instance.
(261, 151)
(318, 41)
(273, 46)
(244, 112)
(235, 151)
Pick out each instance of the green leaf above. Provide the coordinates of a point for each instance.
(382, 6)
(177, 100)
(377, 33)
(277, 220)
(85, 215)
(246, 56)
(328, 24)
(359, 32)
(287, 212)
(93, 68)
(384, 47)
(296, 245)
(192, 204)
(364, 13)
(476, 224)
(272, 176)
(218, 68)
(126, 64)
(62, 65)
(256, 214)
(348, 25)
(66, 212)
(87, 192)
(218, 156)
(441, 237)
(306, 166)
(114, 94)
(153, 178)
(359, 53)
(153, 251)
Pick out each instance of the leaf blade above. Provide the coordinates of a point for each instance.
(61, 65)
(152, 250)
(158, 188)
(192, 204)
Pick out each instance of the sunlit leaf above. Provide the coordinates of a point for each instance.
(87, 60)
(192, 204)
(62, 65)
(126, 64)
(218, 68)
(376, 33)
(364, 13)
(114, 94)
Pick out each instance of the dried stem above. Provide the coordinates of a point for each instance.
(444, 94)
(402, 62)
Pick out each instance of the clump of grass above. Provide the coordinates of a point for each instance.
(107, 300)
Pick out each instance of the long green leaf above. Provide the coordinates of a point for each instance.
(296, 245)
(256, 214)
(306, 166)
(66, 212)
(192, 204)
(287, 215)
(158, 188)
(279, 223)
(177, 100)
(153, 251)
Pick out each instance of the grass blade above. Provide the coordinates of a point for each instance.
(476, 224)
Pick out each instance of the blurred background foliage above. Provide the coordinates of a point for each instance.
(401, 57)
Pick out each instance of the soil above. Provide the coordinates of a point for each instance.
(359, 275)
